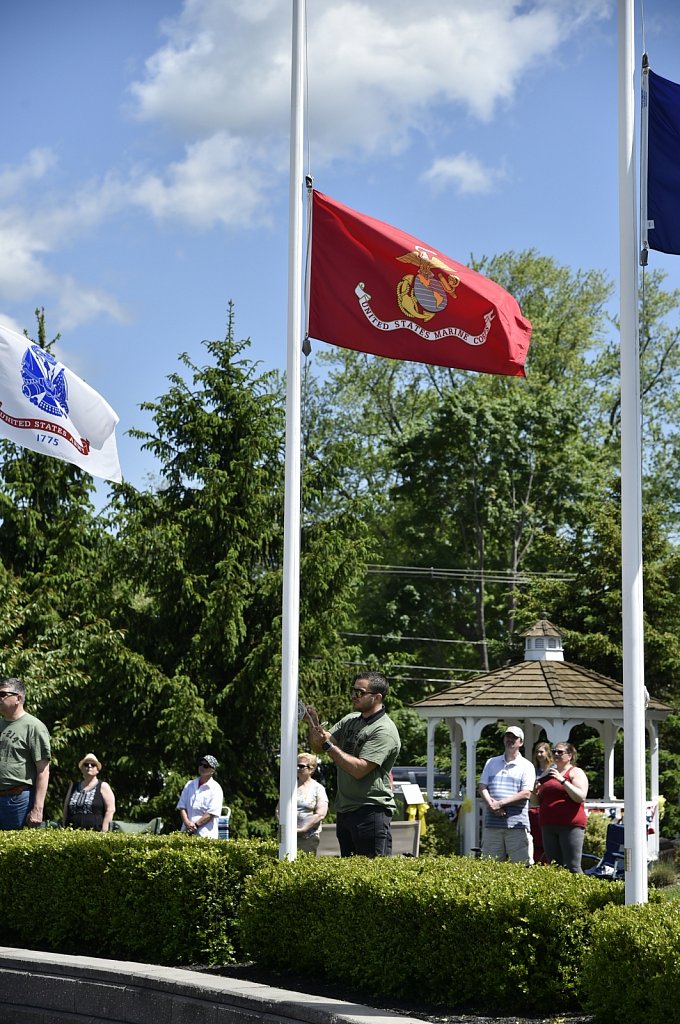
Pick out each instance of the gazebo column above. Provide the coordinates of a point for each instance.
(653, 733)
(472, 730)
(454, 736)
(529, 738)
(431, 728)
(608, 731)
(653, 840)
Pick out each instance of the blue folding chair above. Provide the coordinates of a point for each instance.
(223, 824)
(610, 864)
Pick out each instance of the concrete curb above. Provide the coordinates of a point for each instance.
(51, 988)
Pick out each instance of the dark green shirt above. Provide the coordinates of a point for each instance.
(375, 739)
(23, 743)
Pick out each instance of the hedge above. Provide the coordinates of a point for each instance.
(445, 931)
(631, 972)
(451, 931)
(157, 899)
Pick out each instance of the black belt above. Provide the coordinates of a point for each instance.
(14, 791)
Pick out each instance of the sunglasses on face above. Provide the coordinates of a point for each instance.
(358, 692)
(559, 753)
(301, 767)
(89, 764)
(7, 693)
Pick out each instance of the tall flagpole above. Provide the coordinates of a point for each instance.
(291, 529)
(631, 478)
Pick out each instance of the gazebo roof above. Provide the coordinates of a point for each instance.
(542, 628)
(540, 685)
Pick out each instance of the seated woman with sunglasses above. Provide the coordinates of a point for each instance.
(561, 808)
(200, 804)
(312, 804)
(90, 803)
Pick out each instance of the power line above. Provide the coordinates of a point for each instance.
(394, 638)
(518, 578)
(424, 679)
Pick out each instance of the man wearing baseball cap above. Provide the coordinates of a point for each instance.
(505, 786)
(200, 803)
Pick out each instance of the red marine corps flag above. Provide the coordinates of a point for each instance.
(376, 289)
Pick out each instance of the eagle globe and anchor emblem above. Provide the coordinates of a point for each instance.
(43, 384)
(426, 292)
(421, 296)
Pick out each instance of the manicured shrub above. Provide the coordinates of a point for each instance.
(441, 837)
(456, 931)
(595, 838)
(159, 899)
(631, 972)
(662, 874)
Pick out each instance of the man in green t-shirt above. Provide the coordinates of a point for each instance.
(24, 760)
(363, 746)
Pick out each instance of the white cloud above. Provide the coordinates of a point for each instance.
(28, 235)
(466, 173)
(35, 166)
(378, 72)
(9, 321)
(382, 75)
(226, 66)
(217, 182)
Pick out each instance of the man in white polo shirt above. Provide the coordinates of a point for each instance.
(505, 786)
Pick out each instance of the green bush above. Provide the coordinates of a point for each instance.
(661, 874)
(158, 899)
(631, 973)
(441, 838)
(456, 931)
(595, 838)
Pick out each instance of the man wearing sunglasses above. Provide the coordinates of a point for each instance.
(24, 760)
(363, 746)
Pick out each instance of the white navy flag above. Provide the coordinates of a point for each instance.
(46, 407)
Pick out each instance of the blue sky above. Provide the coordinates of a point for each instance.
(144, 172)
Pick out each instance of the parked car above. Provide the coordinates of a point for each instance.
(418, 774)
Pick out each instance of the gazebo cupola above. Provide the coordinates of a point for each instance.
(543, 642)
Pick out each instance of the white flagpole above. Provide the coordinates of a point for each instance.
(644, 142)
(291, 529)
(631, 478)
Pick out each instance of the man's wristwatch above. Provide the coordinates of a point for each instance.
(326, 745)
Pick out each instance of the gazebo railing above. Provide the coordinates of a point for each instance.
(457, 808)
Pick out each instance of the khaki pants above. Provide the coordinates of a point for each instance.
(507, 844)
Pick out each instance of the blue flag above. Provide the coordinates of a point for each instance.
(663, 165)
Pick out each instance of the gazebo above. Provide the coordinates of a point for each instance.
(541, 692)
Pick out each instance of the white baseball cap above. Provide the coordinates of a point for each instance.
(515, 730)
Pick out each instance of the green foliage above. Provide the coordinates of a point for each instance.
(155, 899)
(413, 734)
(197, 575)
(647, 936)
(457, 913)
(442, 511)
(152, 632)
(669, 773)
(441, 838)
(595, 838)
(662, 874)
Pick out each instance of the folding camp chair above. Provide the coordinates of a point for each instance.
(610, 865)
(153, 827)
(223, 824)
